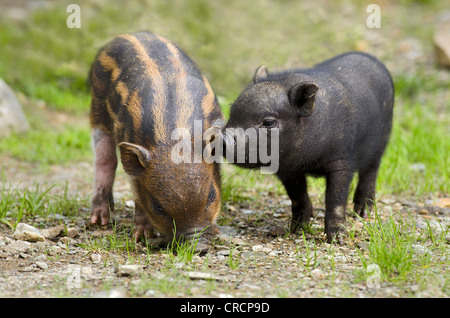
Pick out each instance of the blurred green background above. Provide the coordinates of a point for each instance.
(46, 63)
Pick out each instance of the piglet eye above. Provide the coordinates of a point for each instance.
(268, 123)
(157, 208)
(211, 196)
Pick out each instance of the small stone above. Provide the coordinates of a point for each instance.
(423, 212)
(128, 270)
(223, 238)
(40, 258)
(275, 253)
(53, 232)
(41, 246)
(41, 265)
(204, 276)
(261, 248)
(54, 250)
(237, 241)
(420, 249)
(227, 230)
(27, 269)
(223, 253)
(87, 270)
(26, 232)
(149, 293)
(65, 240)
(17, 247)
(96, 258)
(130, 204)
(201, 248)
(441, 41)
(277, 230)
(317, 274)
(72, 232)
(12, 117)
(443, 203)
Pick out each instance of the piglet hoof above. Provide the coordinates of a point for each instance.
(360, 211)
(297, 226)
(144, 231)
(99, 216)
(335, 235)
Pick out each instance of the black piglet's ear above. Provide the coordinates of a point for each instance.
(302, 96)
(260, 74)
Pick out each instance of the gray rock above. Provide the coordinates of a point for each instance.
(128, 270)
(42, 265)
(96, 258)
(17, 247)
(52, 232)
(317, 274)
(12, 117)
(420, 249)
(441, 40)
(205, 276)
(26, 232)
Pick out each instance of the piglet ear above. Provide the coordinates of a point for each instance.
(135, 159)
(303, 97)
(260, 74)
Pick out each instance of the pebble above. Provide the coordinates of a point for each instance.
(128, 270)
(277, 230)
(41, 265)
(52, 232)
(223, 253)
(26, 232)
(72, 232)
(261, 248)
(17, 247)
(205, 276)
(96, 258)
(130, 204)
(40, 258)
(420, 249)
(317, 274)
(238, 241)
(54, 250)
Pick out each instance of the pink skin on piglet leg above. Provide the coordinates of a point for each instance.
(105, 169)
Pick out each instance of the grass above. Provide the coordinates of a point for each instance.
(397, 251)
(16, 204)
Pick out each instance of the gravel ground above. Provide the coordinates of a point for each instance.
(252, 257)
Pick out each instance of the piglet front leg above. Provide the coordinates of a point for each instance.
(105, 169)
(144, 228)
(338, 184)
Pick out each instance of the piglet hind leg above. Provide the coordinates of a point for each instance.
(105, 169)
(338, 184)
(365, 191)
